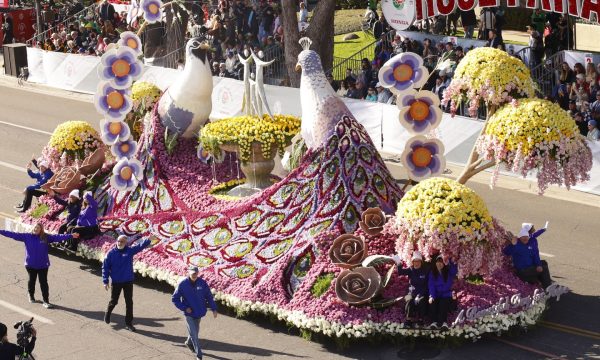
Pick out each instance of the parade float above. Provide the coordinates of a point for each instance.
(313, 248)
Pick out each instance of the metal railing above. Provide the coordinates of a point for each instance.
(545, 75)
(354, 62)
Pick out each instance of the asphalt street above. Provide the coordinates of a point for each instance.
(74, 329)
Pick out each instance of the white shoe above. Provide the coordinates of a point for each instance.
(47, 305)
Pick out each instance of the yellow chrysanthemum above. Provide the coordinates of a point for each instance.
(491, 75)
(73, 136)
(529, 123)
(246, 130)
(444, 204)
(145, 90)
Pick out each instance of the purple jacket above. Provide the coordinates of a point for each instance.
(440, 288)
(36, 250)
(89, 215)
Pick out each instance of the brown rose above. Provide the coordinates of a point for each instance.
(358, 286)
(372, 221)
(93, 162)
(348, 251)
(65, 180)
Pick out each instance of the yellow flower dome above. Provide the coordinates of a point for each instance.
(73, 137)
(531, 123)
(442, 204)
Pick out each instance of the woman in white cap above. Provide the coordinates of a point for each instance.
(73, 207)
(42, 177)
(87, 221)
(526, 256)
(416, 299)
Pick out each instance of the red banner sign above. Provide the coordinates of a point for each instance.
(23, 21)
(578, 8)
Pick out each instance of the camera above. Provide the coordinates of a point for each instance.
(24, 332)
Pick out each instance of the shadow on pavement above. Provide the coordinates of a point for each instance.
(241, 349)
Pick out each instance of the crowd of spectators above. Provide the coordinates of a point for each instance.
(234, 26)
(240, 26)
(577, 90)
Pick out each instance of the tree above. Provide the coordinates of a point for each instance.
(320, 31)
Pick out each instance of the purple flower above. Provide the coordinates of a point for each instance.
(124, 149)
(120, 66)
(152, 10)
(403, 71)
(114, 131)
(131, 40)
(420, 111)
(423, 157)
(111, 102)
(126, 174)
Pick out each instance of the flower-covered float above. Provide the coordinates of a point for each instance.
(312, 249)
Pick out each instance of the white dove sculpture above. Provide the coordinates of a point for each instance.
(318, 99)
(185, 106)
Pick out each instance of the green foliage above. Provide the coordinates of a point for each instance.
(475, 280)
(170, 141)
(322, 284)
(306, 334)
(352, 4)
(40, 211)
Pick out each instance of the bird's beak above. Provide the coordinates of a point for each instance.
(298, 68)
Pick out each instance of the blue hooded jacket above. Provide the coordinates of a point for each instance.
(36, 249)
(525, 255)
(41, 177)
(89, 215)
(73, 210)
(118, 264)
(440, 288)
(418, 279)
(195, 295)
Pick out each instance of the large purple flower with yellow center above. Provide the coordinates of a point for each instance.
(152, 10)
(419, 111)
(114, 131)
(402, 72)
(126, 174)
(120, 66)
(423, 157)
(124, 149)
(113, 103)
(131, 40)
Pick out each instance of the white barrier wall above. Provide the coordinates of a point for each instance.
(79, 73)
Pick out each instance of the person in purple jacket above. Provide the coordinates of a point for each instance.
(192, 296)
(441, 279)
(37, 261)
(416, 299)
(41, 178)
(118, 266)
(87, 221)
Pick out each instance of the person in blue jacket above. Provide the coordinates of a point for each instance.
(418, 291)
(525, 254)
(118, 266)
(73, 206)
(37, 261)
(441, 279)
(192, 296)
(42, 178)
(87, 221)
